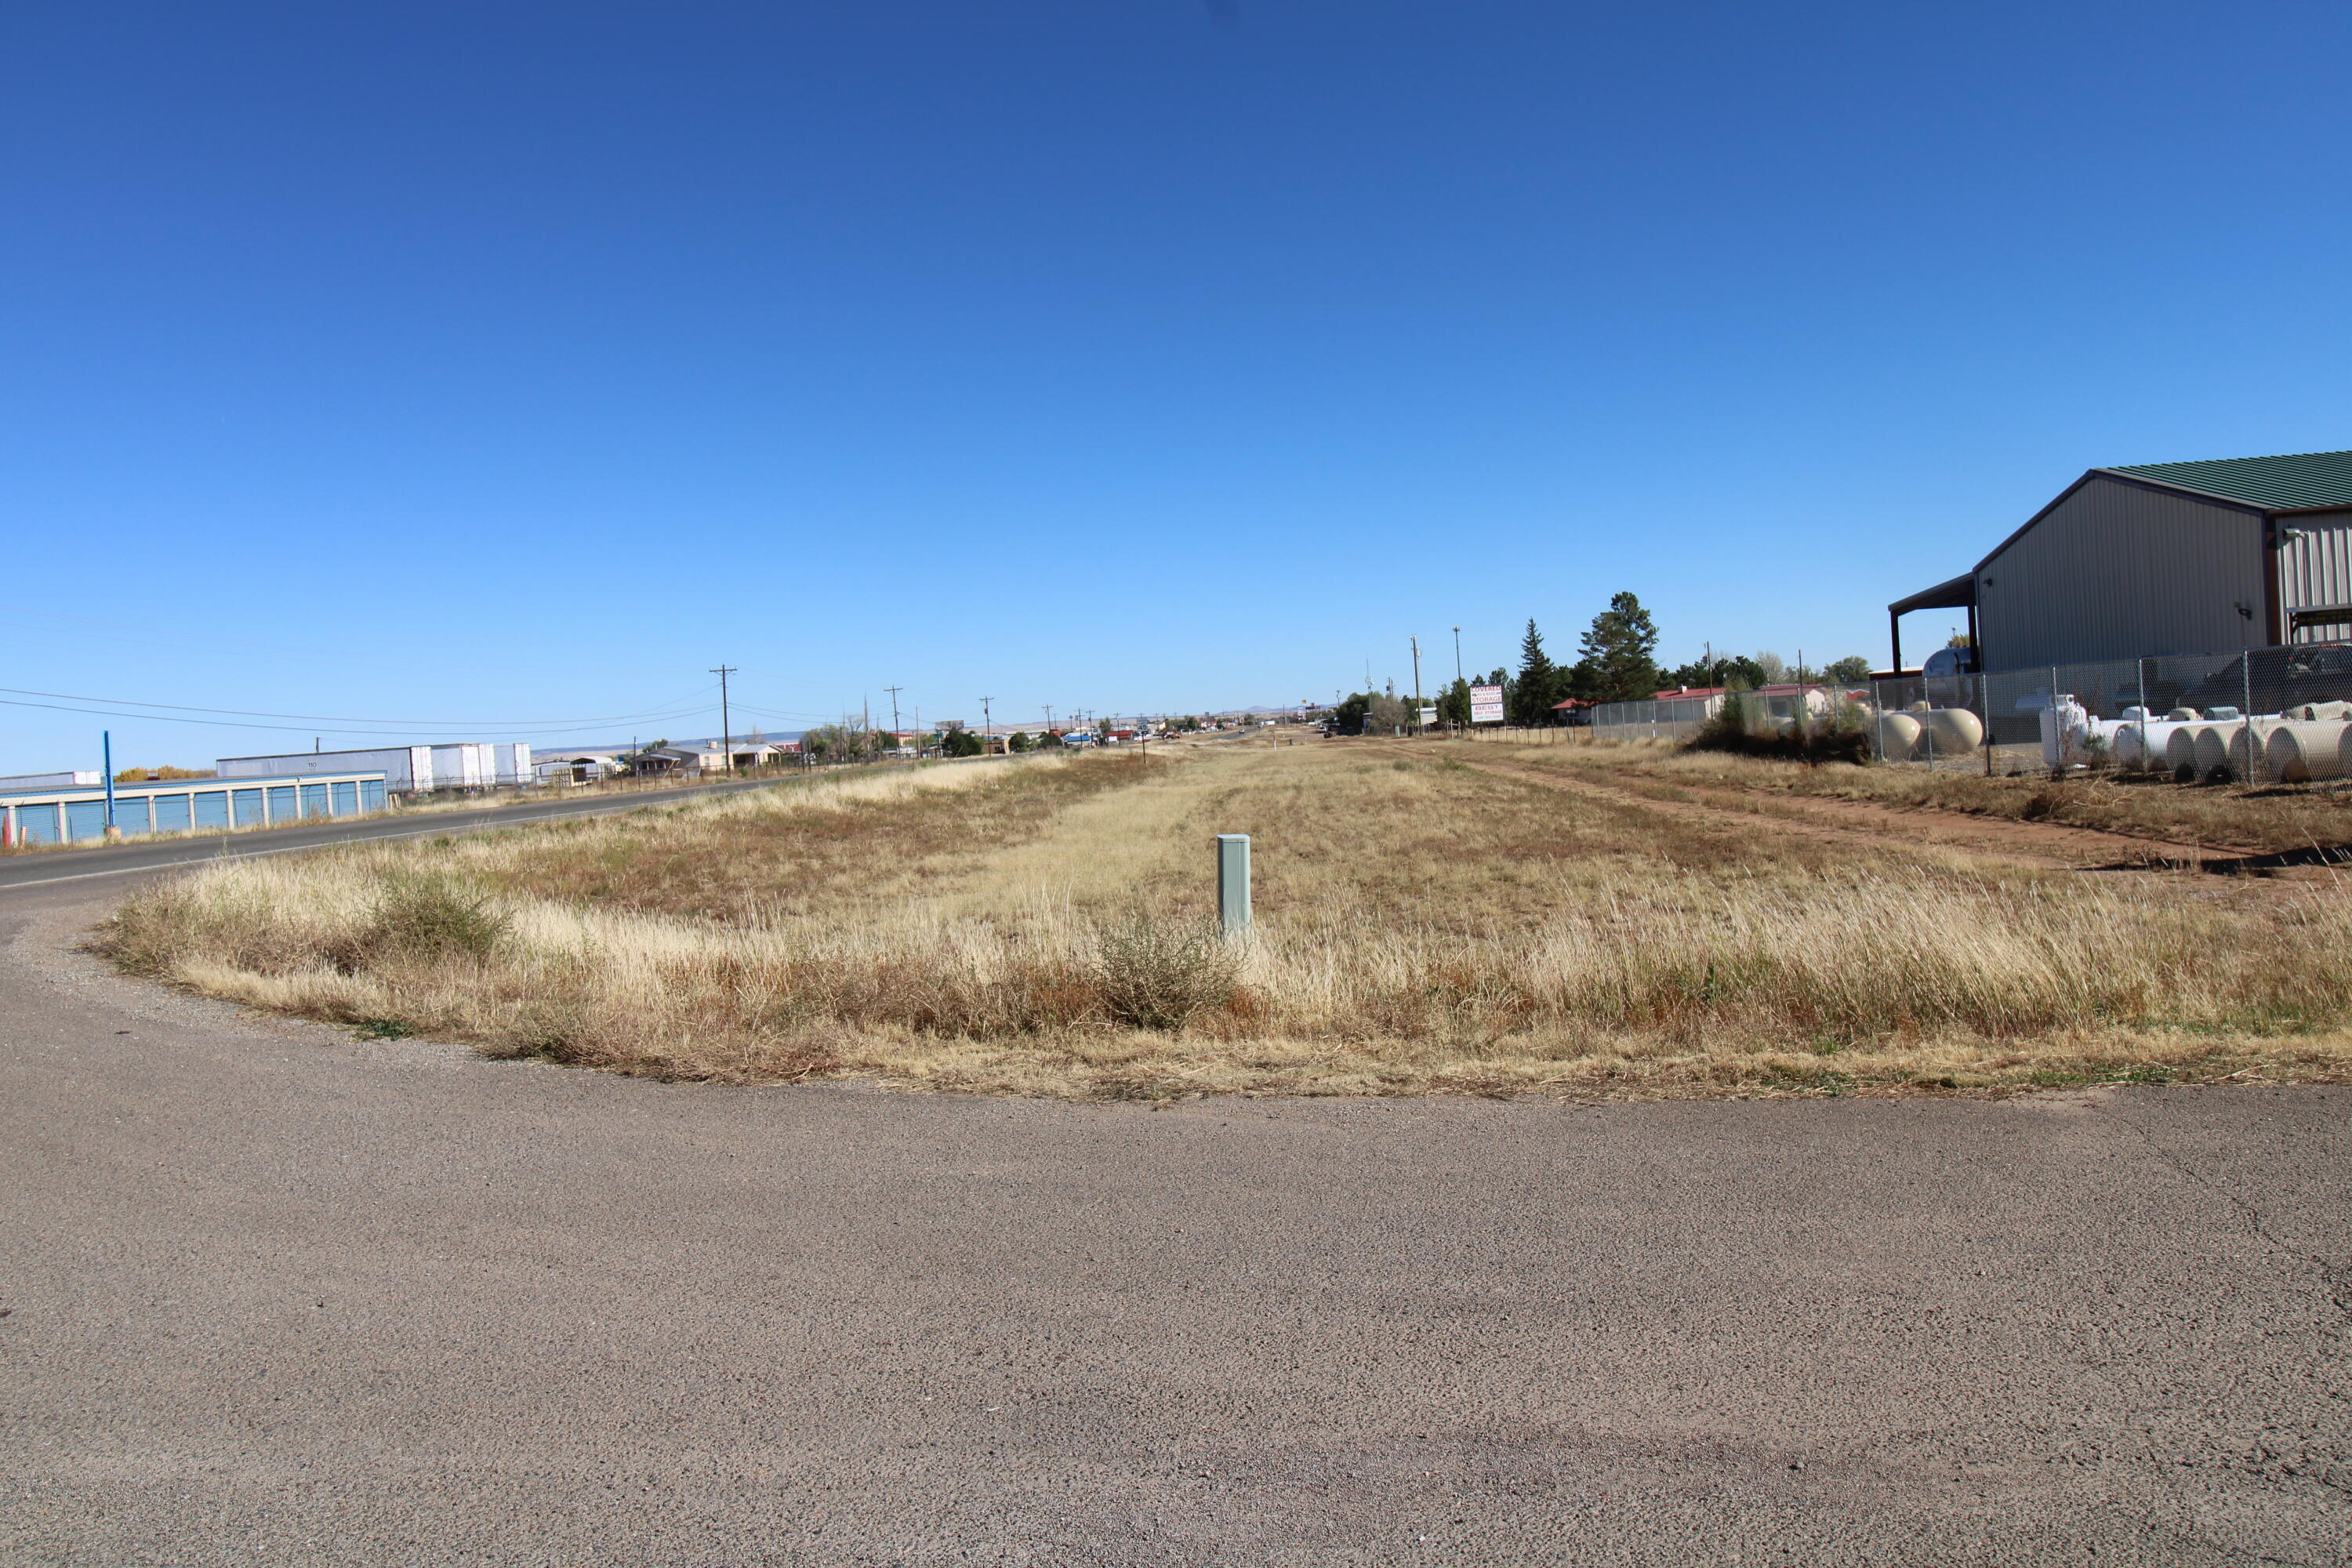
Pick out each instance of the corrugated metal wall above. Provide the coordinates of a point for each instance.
(2315, 574)
(2119, 572)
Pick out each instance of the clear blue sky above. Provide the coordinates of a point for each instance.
(510, 362)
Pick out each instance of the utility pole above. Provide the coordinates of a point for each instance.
(894, 692)
(1457, 653)
(726, 724)
(1416, 683)
(986, 723)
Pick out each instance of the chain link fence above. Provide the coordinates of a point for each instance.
(2258, 715)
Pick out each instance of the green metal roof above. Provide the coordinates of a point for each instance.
(2297, 479)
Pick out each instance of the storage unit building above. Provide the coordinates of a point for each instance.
(51, 781)
(2164, 558)
(70, 815)
(407, 770)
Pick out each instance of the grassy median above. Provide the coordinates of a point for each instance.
(1041, 927)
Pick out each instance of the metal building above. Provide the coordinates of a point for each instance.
(2163, 557)
(60, 815)
(407, 770)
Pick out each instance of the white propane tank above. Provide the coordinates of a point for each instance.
(2218, 746)
(2181, 746)
(1955, 730)
(1897, 734)
(2300, 750)
(2062, 723)
(2154, 750)
(2250, 749)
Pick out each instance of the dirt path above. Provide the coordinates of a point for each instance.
(2045, 846)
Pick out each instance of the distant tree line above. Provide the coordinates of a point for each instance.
(1616, 661)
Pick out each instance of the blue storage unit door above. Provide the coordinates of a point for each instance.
(347, 798)
(37, 824)
(85, 819)
(212, 806)
(314, 800)
(171, 814)
(281, 803)
(248, 808)
(370, 794)
(131, 814)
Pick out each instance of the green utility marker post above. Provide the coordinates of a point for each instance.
(1233, 884)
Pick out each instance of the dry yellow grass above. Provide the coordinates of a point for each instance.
(1423, 927)
(2261, 818)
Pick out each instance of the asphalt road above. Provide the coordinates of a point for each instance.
(275, 1295)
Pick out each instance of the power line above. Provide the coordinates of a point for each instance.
(345, 719)
(315, 729)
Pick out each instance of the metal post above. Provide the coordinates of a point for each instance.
(2146, 764)
(2244, 667)
(1233, 884)
(1416, 685)
(106, 752)
(1982, 685)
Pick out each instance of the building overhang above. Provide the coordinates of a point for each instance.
(1960, 594)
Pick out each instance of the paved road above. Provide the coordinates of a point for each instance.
(277, 1296)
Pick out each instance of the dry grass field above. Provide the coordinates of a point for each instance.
(1432, 918)
(2252, 819)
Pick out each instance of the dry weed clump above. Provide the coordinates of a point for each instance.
(1158, 974)
(1043, 928)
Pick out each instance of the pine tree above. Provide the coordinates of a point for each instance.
(1617, 659)
(1538, 686)
(1453, 706)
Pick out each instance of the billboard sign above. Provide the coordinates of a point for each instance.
(1485, 705)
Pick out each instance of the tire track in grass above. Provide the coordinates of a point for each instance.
(2031, 847)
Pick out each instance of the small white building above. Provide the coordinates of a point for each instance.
(580, 767)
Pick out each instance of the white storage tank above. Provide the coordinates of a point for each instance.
(2221, 747)
(1898, 734)
(2180, 747)
(1954, 731)
(2298, 751)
